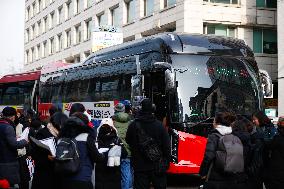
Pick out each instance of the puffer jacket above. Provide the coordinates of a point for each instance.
(209, 157)
(121, 122)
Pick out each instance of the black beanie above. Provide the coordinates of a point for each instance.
(9, 111)
(146, 105)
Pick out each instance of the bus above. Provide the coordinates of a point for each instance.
(19, 90)
(188, 77)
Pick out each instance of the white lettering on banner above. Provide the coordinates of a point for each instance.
(97, 110)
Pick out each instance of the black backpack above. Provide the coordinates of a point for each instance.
(148, 146)
(67, 160)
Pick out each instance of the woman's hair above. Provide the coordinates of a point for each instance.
(58, 119)
(77, 107)
(262, 118)
(225, 118)
(73, 126)
(242, 124)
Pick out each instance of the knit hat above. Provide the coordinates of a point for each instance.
(119, 107)
(9, 111)
(146, 105)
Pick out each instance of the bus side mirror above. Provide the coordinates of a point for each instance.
(136, 89)
(266, 82)
(169, 79)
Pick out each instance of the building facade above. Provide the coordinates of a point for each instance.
(61, 29)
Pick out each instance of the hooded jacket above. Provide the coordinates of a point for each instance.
(155, 130)
(121, 122)
(210, 153)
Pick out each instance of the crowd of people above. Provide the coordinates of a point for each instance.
(104, 153)
(257, 145)
(133, 150)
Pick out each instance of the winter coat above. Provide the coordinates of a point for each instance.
(218, 179)
(155, 130)
(9, 166)
(88, 154)
(44, 176)
(108, 177)
(121, 122)
(276, 165)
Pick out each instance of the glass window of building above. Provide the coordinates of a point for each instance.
(76, 6)
(39, 5)
(88, 29)
(265, 41)
(34, 9)
(102, 19)
(60, 41)
(130, 9)
(224, 1)
(39, 27)
(52, 49)
(28, 35)
(266, 3)
(78, 33)
(38, 52)
(45, 50)
(33, 55)
(168, 3)
(115, 17)
(148, 7)
(60, 15)
(221, 30)
(33, 32)
(44, 24)
(52, 20)
(68, 9)
(68, 38)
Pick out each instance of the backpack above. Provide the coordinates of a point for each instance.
(229, 154)
(67, 160)
(148, 146)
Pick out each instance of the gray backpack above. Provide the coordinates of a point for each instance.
(229, 154)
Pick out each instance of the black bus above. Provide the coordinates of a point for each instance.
(188, 77)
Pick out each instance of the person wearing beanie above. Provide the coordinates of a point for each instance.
(144, 169)
(121, 122)
(9, 165)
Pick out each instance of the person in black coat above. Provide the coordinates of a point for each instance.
(276, 161)
(75, 127)
(108, 176)
(44, 176)
(218, 179)
(144, 169)
(9, 166)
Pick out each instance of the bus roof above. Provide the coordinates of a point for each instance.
(177, 43)
(27, 76)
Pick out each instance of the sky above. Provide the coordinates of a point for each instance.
(12, 18)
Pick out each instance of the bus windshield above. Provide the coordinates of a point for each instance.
(17, 93)
(207, 84)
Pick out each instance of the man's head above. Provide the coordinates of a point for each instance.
(119, 108)
(147, 106)
(10, 113)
